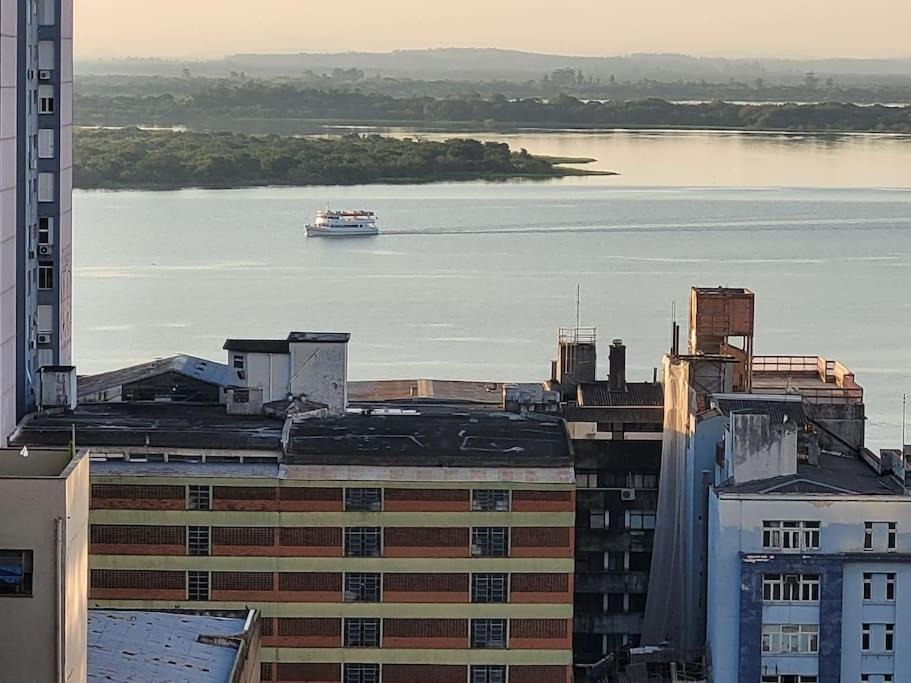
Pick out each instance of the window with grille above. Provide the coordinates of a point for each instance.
(362, 541)
(199, 497)
(197, 540)
(16, 572)
(363, 500)
(197, 585)
(490, 500)
(489, 541)
(362, 673)
(362, 587)
(790, 535)
(488, 588)
(488, 633)
(790, 639)
(488, 673)
(361, 632)
(790, 588)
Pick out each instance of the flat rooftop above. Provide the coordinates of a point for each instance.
(138, 647)
(31, 463)
(174, 425)
(489, 394)
(450, 439)
(816, 379)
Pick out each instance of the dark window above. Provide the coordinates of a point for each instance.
(45, 275)
(199, 497)
(488, 633)
(488, 588)
(868, 535)
(362, 541)
(490, 541)
(237, 360)
(362, 673)
(613, 561)
(893, 536)
(488, 673)
(636, 602)
(197, 585)
(615, 603)
(362, 632)
(363, 500)
(362, 587)
(45, 224)
(198, 540)
(16, 572)
(490, 500)
(640, 562)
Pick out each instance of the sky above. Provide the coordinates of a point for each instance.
(735, 28)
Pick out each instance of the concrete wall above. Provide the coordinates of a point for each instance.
(77, 571)
(319, 372)
(8, 209)
(268, 371)
(756, 449)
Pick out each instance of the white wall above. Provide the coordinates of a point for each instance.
(319, 372)
(756, 449)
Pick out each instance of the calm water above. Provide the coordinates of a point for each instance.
(472, 280)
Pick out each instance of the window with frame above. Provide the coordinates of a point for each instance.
(488, 673)
(362, 587)
(641, 480)
(640, 519)
(892, 537)
(198, 540)
(237, 361)
(614, 561)
(45, 230)
(45, 275)
(45, 99)
(789, 678)
(790, 588)
(790, 535)
(587, 480)
(362, 673)
(489, 541)
(488, 633)
(16, 568)
(879, 587)
(490, 500)
(872, 678)
(362, 541)
(363, 500)
(361, 632)
(790, 639)
(199, 497)
(598, 519)
(889, 638)
(197, 585)
(488, 588)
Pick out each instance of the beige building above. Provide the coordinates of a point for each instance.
(44, 505)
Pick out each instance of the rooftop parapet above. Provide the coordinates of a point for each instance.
(817, 379)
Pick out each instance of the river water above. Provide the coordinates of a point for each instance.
(472, 280)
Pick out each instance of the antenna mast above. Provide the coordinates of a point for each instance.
(904, 421)
(578, 307)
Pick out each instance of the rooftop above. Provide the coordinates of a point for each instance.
(283, 345)
(780, 409)
(835, 475)
(175, 425)
(426, 391)
(467, 439)
(136, 647)
(634, 395)
(814, 378)
(190, 366)
(32, 463)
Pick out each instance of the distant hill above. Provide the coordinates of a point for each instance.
(512, 65)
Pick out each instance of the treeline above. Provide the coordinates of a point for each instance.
(140, 159)
(264, 100)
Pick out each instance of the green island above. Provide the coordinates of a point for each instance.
(132, 158)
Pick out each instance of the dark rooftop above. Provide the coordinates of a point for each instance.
(282, 345)
(174, 425)
(635, 395)
(189, 366)
(834, 475)
(431, 440)
(780, 410)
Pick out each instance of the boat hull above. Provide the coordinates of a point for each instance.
(319, 231)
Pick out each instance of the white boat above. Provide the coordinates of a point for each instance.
(340, 223)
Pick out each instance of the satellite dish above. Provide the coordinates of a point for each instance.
(24, 452)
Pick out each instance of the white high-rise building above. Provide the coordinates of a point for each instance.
(36, 180)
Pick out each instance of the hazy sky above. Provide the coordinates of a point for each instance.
(213, 28)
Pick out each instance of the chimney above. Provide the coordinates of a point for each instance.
(617, 360)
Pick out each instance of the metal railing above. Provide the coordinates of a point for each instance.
(578, 335)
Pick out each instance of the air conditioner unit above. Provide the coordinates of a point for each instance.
(45, 250)
(44, 75)
(627, 494)
(44, 339)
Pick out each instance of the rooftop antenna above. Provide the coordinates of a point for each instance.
(578, 307)
(904, 421)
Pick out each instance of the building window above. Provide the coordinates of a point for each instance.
(868, 535)
(614, 561)
(640, 519)
(199, 497)
(362, 587)
(362, 541)
(363, 500)
(487, 541)
(890, 587)
(790, 535)
(488, 673)
(598, 519)
(876, 532)
(790, 588)
(45, 275)
(892, 539)
(639, 480)
(879, 587)
(46, 143)
(490, 500)
(789, 678)
(16, 572)
(45, 187)
(47, 12)
(362, 632)
(237, 361)
(793, 639)
(362, 673)
(587, 480)
(889, 643)
(488, 588)
(488, 633)
(45, 99)
(45, 230)
(197, 585)
(198, 540)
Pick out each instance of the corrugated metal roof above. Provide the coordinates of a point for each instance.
(635, 395)
(145, 647)
(778, 410)
(190, 366)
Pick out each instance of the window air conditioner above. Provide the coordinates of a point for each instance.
(44, 339)
(627, 494)
(45, 250)
(44, 75)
